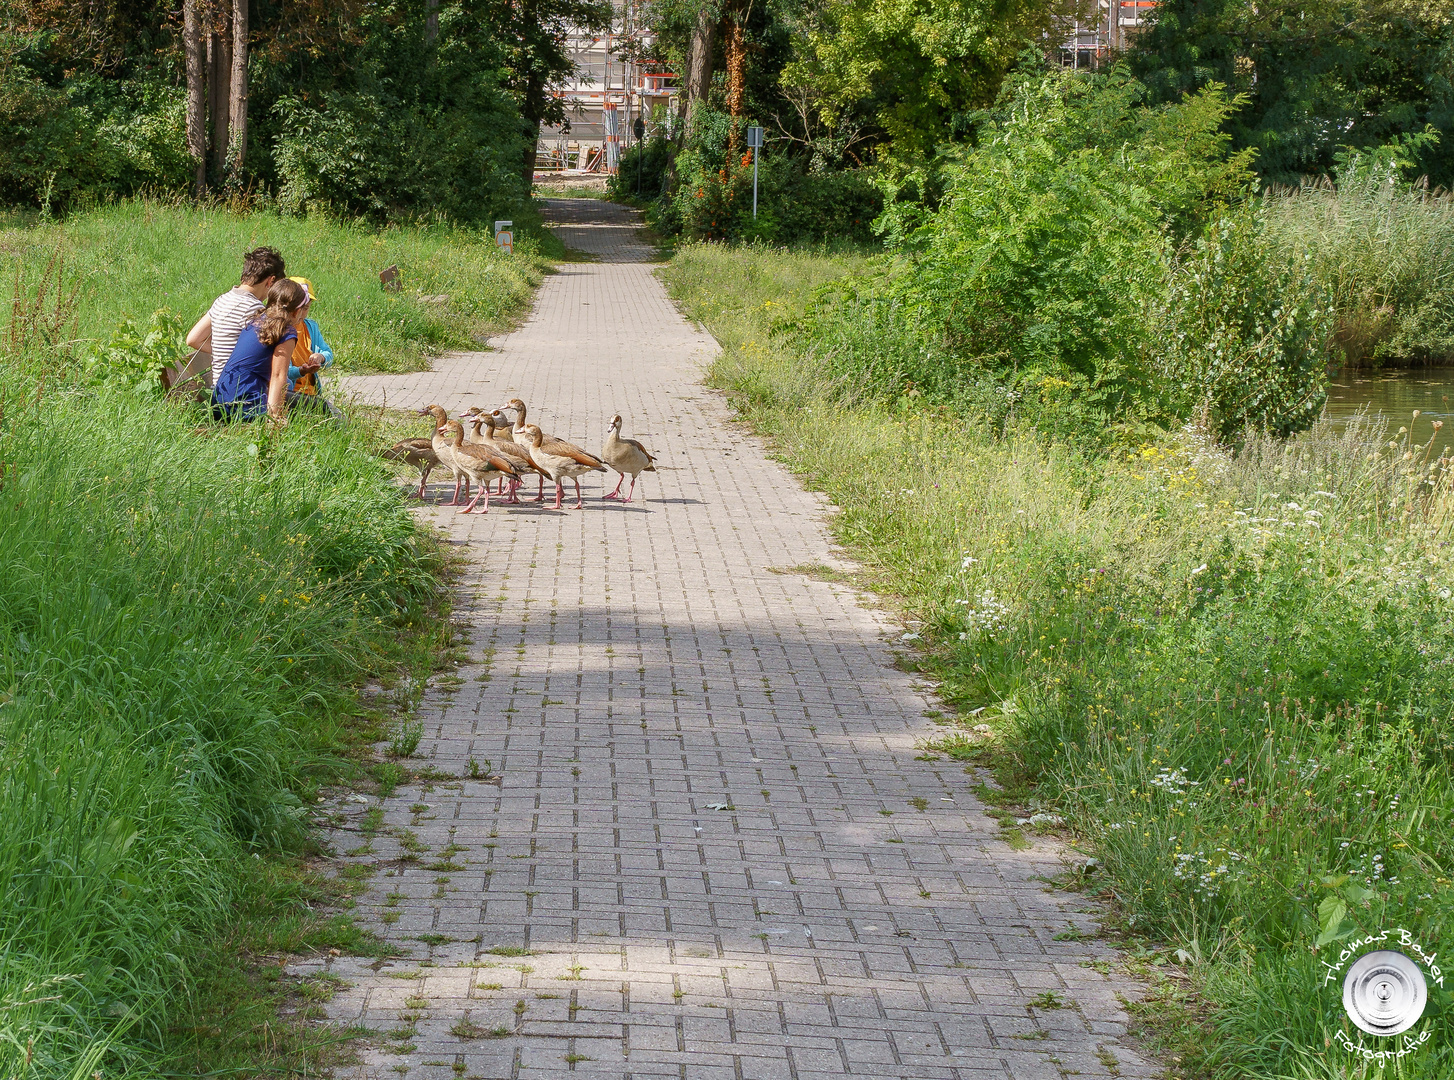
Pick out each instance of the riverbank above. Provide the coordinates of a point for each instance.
(1207, 665)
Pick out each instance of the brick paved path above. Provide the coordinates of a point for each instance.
(711, 830)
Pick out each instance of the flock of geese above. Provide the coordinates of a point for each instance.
(495, 450)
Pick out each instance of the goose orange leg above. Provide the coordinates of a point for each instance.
(457, 480)
(616, 494)
(423, 479)
(482, 490)
(557, 493)
(579, 505)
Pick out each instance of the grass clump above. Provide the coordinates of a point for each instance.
(1231, 672)
(126, 260)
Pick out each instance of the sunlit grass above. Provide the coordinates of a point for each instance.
(132, 258)
(1233, 674)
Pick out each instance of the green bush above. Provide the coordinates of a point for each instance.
(416, 132)
(1032, 288)
(1245, 331)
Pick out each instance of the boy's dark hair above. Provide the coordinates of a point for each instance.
(262, 263)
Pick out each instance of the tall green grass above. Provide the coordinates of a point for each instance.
(1234, 674)
(129, 259)
(1385, 250)
(180, 619)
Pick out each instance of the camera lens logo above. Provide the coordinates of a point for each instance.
(1384, 993)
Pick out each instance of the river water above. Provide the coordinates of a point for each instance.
(1396, 393)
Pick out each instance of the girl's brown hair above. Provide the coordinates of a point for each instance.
(284, 300)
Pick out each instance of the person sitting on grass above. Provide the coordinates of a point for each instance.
(217, 331)
(255, 380)
(311, 350)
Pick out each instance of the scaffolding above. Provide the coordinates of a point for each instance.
(607, 94)
(1088, 41)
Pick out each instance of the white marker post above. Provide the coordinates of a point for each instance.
(504, 237)
(754, 143)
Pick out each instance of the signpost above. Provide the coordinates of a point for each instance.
(639, 129)
(754, 143)
(504, 237)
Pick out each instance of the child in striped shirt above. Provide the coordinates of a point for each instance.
(217, 331)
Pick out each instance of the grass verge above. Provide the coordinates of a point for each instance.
(128, 260)
(1231, 673)
(187, 614)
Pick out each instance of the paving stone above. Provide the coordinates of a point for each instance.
(631, 666)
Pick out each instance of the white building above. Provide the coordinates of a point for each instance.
(605, 97)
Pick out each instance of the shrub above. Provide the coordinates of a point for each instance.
(1245, 331)
(1034, 283)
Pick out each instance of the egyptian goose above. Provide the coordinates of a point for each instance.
(445, 452)
(549, 443)
(502, 434)
(513, 451)
(560, 460)
(419, 453)
(476, 462)
(625, 456)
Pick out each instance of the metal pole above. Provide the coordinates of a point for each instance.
(754, 183)
(640, 153)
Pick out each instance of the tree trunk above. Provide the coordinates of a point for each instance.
(219, 74)
(699, 66)
(735, 51)
(431, 21)
(196, 114)
(237, 134)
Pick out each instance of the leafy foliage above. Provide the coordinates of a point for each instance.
(418, 128)
(1246, 332)
(1316, 76)
(918, 66)
(133, 359)
(1039, 273)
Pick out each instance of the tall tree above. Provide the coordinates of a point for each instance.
(701, 56)
(237, 96)
(196, 89)
(219, 78)
(922, 66)
(535, 33)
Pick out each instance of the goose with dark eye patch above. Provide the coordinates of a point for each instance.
(549, 443)
(418, 453)
(627, 456)
(517, 454)
(445, 452)
(560, 461)
(477, 462)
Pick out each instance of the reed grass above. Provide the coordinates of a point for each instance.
(1385, 250)
(129, 259)
(1231, 673)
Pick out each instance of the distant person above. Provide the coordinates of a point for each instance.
(255, 381)
(218, 330)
